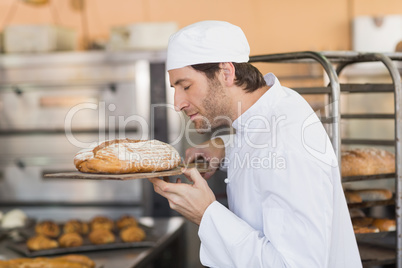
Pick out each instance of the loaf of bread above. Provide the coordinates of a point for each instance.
(363, 225)
(125, 221)
(101, 222)
(41, 242)
(47, 228)
(127, 156)
(368, 161)
(369, 225)
(76, 226)
(132, 234)
(365, 229)
(367, 195)
(68, 240)
(385, 225)
(352, 198)
(101, 236)
(67, 261)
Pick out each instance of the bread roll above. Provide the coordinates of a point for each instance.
(101, 236)
(41, 242)
(132, 234)
(368, 161)
(76, 226)
(47, 228)
(126, 220)
(127, 156)
(384, 225)
(69, 240)
(101, 222)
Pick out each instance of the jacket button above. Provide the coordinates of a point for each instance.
(226, 180)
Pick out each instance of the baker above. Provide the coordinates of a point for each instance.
(285, 213)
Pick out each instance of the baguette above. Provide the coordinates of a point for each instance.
(122, 156)
(367, 161)
(67, 261)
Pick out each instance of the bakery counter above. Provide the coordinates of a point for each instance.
(168, 250)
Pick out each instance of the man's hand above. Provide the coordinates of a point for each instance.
(190, 200)
(212, 151)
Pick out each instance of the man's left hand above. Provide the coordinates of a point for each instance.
(190, 200)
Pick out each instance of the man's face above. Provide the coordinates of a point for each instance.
(204, 101)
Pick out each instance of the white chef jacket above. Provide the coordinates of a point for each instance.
(287, 207)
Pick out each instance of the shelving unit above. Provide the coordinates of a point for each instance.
(376, 250)
(334, 62)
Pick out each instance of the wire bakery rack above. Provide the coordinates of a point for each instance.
(333, 63)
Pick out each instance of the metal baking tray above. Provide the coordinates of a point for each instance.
(383, 239)
(379, 235)
(368, 204)
(368, 177)
(22, 248)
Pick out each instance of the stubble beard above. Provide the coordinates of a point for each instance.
(216, 109)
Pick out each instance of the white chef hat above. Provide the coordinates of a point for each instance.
(207, 42)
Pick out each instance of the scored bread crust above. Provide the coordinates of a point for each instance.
(122, 156)
(367, 161)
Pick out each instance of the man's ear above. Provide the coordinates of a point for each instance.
(228, 72)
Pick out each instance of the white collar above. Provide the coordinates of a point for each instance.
(262, 107)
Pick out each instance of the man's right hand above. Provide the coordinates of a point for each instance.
(212, 151)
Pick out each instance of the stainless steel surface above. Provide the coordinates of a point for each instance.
(167, 231)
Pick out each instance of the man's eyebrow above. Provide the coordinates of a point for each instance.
(178, 82)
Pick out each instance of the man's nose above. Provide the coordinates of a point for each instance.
(180, 102)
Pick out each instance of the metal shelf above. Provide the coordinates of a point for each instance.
(367, 88)
(367, 116)
(368, 204)
(368, 177)
(372, 255)
(368, 142)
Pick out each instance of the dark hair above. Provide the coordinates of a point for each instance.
(246, 75)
